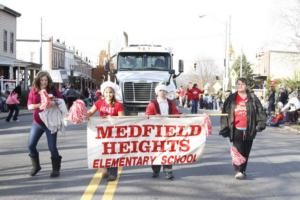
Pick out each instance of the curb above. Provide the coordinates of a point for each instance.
(4, 115)
(291, 129)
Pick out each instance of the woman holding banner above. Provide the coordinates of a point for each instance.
(162, 106)
(245, 118)
(108, 106)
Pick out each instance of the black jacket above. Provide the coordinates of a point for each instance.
(256, 117)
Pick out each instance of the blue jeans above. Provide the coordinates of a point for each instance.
(194, 106)
(36, 132)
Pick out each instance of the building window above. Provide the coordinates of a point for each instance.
(12, 42)
(5, 40)
(55, 60)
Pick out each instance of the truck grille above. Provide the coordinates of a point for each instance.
(139, 92)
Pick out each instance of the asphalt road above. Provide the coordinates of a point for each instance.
(273, 170)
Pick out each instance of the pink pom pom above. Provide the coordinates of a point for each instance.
(78, 112)
(237, 158)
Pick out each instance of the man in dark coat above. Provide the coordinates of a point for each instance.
(271, 101)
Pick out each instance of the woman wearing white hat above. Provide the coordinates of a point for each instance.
(108, 106)
(162, 106)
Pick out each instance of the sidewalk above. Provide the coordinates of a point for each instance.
(295, 128)
(23, 111)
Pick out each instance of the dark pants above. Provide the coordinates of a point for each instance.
(292, 116)
(70, 101)
(188, 103)
(36, 132)
(271, 108)
(13, 108)
(244, 147)
(166, 168)
(194, 106)
(112, 171)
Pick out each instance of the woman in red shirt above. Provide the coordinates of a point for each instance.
(108, 106)
(42, 81)
(245, 118)
(162, 106)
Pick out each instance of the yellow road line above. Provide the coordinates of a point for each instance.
(111, 187)
(93, 185)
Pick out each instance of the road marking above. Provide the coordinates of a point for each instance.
(111, 187)
(93, 185)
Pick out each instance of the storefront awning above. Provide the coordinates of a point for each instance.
(7, 61)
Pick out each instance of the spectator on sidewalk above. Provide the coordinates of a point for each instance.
(220, 99)
(13, 101)
(292, 109)
(276, 120)
(188, 96)
(283, 95)
(98, 95)
(271, 101)
(195, 95)
(181, 94)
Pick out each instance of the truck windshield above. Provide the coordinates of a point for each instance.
(144, 61)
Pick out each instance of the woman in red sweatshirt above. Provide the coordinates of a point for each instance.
(108, 106)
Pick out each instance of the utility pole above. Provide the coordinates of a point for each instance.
(226, 50)
(241, 64)
(225, 79)
(41, 43)
(228, 44)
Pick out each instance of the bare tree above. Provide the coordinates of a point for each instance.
(207, 70)
(204, 71)
(291, 20)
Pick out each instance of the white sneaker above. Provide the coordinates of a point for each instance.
(17, 120)
(239, 176)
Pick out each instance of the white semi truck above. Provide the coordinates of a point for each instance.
(138, 69)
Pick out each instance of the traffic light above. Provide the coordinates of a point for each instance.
(195, 66)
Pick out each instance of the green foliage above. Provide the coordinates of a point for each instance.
(269, 83)
(247, 71)
(292, 83)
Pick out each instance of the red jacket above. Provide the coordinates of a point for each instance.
(188, 94)
(153, 108)
(195, 92)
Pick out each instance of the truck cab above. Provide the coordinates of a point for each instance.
(138, 70)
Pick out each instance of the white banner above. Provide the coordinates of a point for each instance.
(143, 140)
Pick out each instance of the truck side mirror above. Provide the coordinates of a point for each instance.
(180, 66)
(106, 65)
(171, 71)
